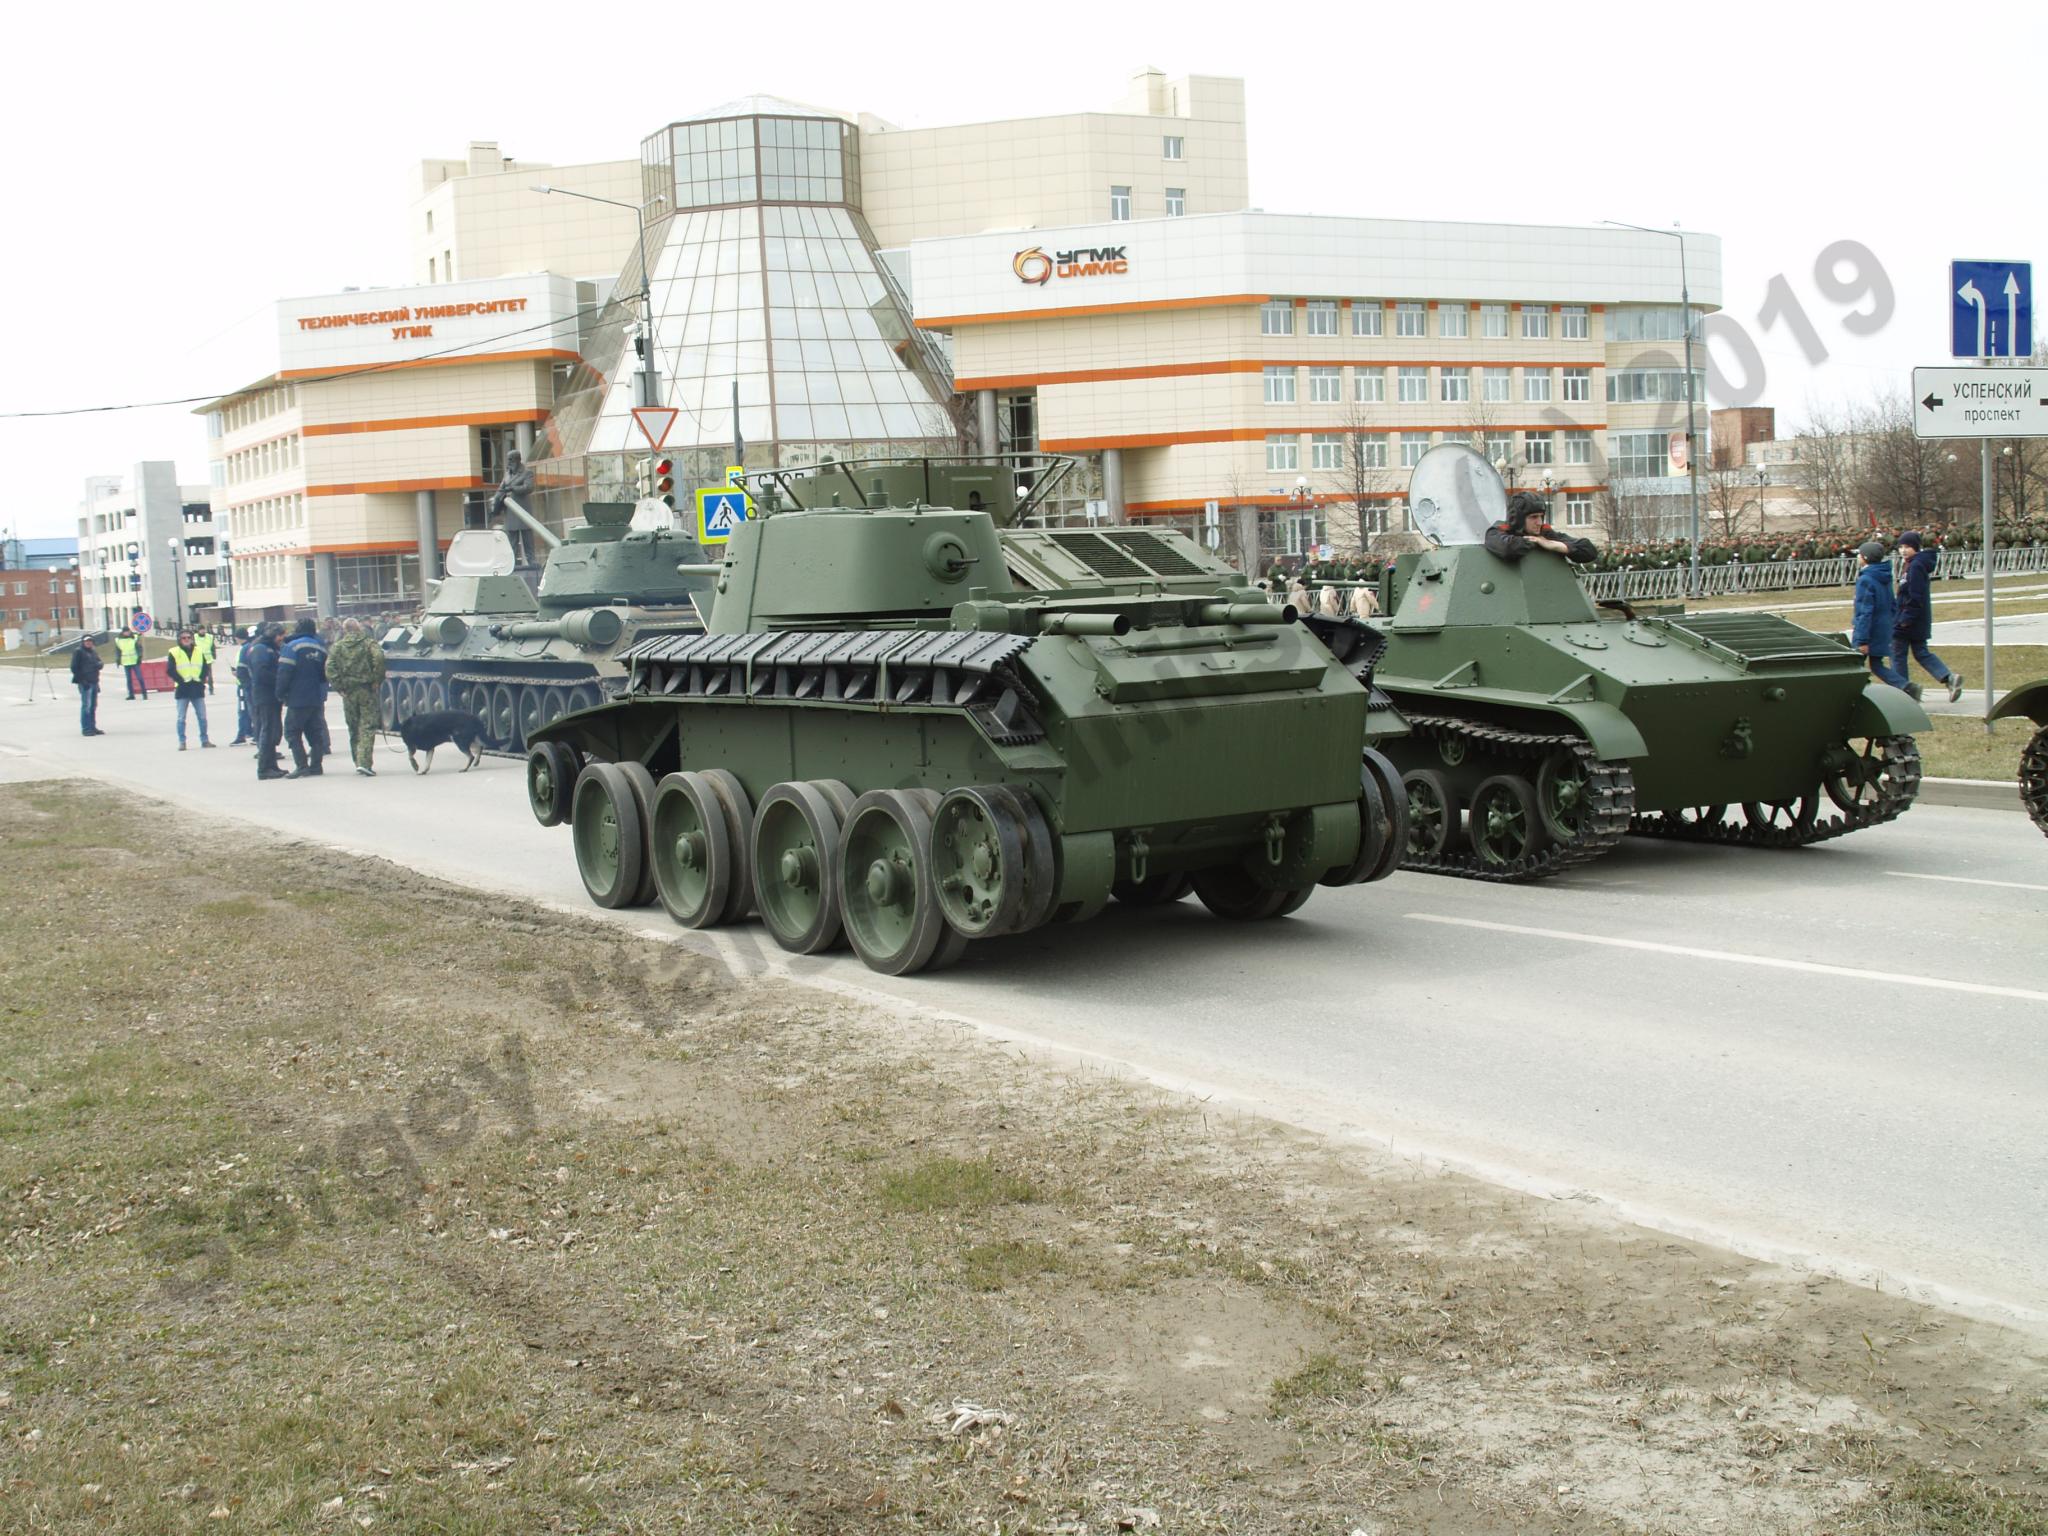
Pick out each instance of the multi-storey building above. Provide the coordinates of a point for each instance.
(37, 596)
(146, 544)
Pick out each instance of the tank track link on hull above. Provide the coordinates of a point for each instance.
(1798, 823)
(1610, 790)
(2034, 778)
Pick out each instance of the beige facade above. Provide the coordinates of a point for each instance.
(481, 217)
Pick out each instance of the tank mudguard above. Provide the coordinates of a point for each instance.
(1613, 735)
(2029, 700)
(1887, 711)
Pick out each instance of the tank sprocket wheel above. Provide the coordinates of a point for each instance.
(690, 847)
(886, 893)
(1152, 891)
(796, 867)
(1235, 896)
(550, 782)
(2034, 777)
(605, 826)
(1504, 826)
(1608, 799)
(1799, 821)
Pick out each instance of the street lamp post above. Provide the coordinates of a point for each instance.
(1692, 444)
(177, 587)
(648, 389)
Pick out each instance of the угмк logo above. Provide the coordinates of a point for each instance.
(1034, 266)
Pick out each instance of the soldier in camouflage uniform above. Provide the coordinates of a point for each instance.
(355, 667)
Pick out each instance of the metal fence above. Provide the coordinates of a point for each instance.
(1790, 575)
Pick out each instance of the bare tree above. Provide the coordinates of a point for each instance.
(1730, 493)
(1629, 515)
(1907, 481)
(1825, 467)
(1361, 477)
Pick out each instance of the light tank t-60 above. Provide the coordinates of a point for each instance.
(915, 724)
(1545, 727)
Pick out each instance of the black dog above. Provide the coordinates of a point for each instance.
(423, 733)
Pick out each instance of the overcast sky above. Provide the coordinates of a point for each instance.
(176, 168)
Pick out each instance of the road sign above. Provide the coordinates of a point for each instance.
(1980, 402)
(1991, 309)
(719, 513)
(141, 622)
(736, 475)
(654, 422)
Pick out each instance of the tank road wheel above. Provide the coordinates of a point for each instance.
(952, 942)
(1432, 812)
(503, 718)
(739, 831)
(1152, 891)
(550, 782)
(529, 712)
(796, 867)
(978, 862)
(434, 698)
(1235, 896)
(890, 905)
(387, 704)
(1700, 820)
(605, 824)
(1506, 827)
(1866, 780)
(1564, 796)
(582, 696)
(691, 851)
(643, 791)
(2034, 778)
(1041, 860)
(1781, 821)
(554, 703)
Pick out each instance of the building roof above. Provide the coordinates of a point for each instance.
(765, 106)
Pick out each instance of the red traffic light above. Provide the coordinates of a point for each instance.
(664, 480)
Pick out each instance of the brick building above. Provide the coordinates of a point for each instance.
(33, 593)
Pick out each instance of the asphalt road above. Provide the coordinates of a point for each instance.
(1836, 1056)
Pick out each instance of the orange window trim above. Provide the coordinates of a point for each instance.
(380, 487)
(1255, 365)
(414, 423)
(343, 370)
(1072, 311)
(1261, 433)
(1186, 504)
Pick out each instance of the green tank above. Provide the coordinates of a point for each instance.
(487, 644)
(2030, 702)
(1545, 727)
(914, 723)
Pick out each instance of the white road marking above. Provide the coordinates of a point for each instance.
(2010, 885)
(1730, 957)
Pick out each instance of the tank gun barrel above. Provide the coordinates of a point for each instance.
(594, 627)
(1248, 613)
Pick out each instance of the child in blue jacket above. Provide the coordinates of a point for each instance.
(1876, 615)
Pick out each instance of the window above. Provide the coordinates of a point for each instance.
(1322, 317)
(448, 265)
(1535, 321)
(1276, 318)
(1325, 385)
(1369, 386)
(1283, 452)
(1372, 450)
(432, 270)
(1454, 320)
(1647, 323)
(1539, 448)
(1638, 386)
(1411, 320)
(1578, 447)
(1496, 383)
(1535, 383)
(1368, 320)
(1638, 456)
(1304, 532)
(1456, 384)
(1176, 147)
(1407, 514)
(1414, 386)
(1176, 202)
(1279, 386)
(1326, 450)
(430, 221)
(1119, 202)
(1500, 449)
(1572, 323)
(1413, 446)
(1578, 384)
(1493, 321)
(1578, 510)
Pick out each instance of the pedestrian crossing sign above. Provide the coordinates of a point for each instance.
(720, 511)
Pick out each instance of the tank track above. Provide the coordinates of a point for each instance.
(2034, 777)
(1830, 821)
(1611, 785)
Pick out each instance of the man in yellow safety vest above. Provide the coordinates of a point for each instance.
(204, 641)
(128, 651)
(188, 681)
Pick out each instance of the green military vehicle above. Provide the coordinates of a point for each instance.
(2030, 702)
(915, 723)
(487, 645)
(1544, 726)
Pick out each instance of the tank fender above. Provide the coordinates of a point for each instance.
(1887, 711)
(2029, 700)
(1613, 735)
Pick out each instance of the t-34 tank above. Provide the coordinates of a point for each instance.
(913, 725)
(1545, 727)
(487, 645)
(2030, 702)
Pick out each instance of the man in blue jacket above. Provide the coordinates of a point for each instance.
(1876, 614)
(259, 656)
(1914, 625)
(302, 688)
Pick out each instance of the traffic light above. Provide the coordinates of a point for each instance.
(665, 480)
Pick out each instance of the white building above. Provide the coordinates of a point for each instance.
(146, 544)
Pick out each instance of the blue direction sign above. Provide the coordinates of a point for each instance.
(719, 513)
(1991, 310)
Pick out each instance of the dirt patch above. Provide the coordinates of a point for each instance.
(334, 1195)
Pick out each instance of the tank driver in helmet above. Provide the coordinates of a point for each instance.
(1527, 528)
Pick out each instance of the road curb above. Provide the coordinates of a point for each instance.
(1971, 794)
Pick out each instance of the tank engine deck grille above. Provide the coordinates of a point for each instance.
(1154, 551)
(1755, 638)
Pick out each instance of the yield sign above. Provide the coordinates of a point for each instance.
(654, 422)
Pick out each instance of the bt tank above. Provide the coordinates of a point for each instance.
(488, 645)
(1544, 727)
(914, 723)
(2031, 703)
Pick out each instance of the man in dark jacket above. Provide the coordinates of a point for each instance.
(1915, 622)
(261, 656)
(1526, 529)
(245, 722)
(302, 686)
(85, 672)
(1876, 614)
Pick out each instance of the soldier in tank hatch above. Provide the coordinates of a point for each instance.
(1527, 527)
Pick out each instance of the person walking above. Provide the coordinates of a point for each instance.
(1876, 615)
(188, 684)
(128, 650)
(302, 687)
(261, 654)
(1914, 626)
(204, 640)
(85, 672)
(356, 667)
